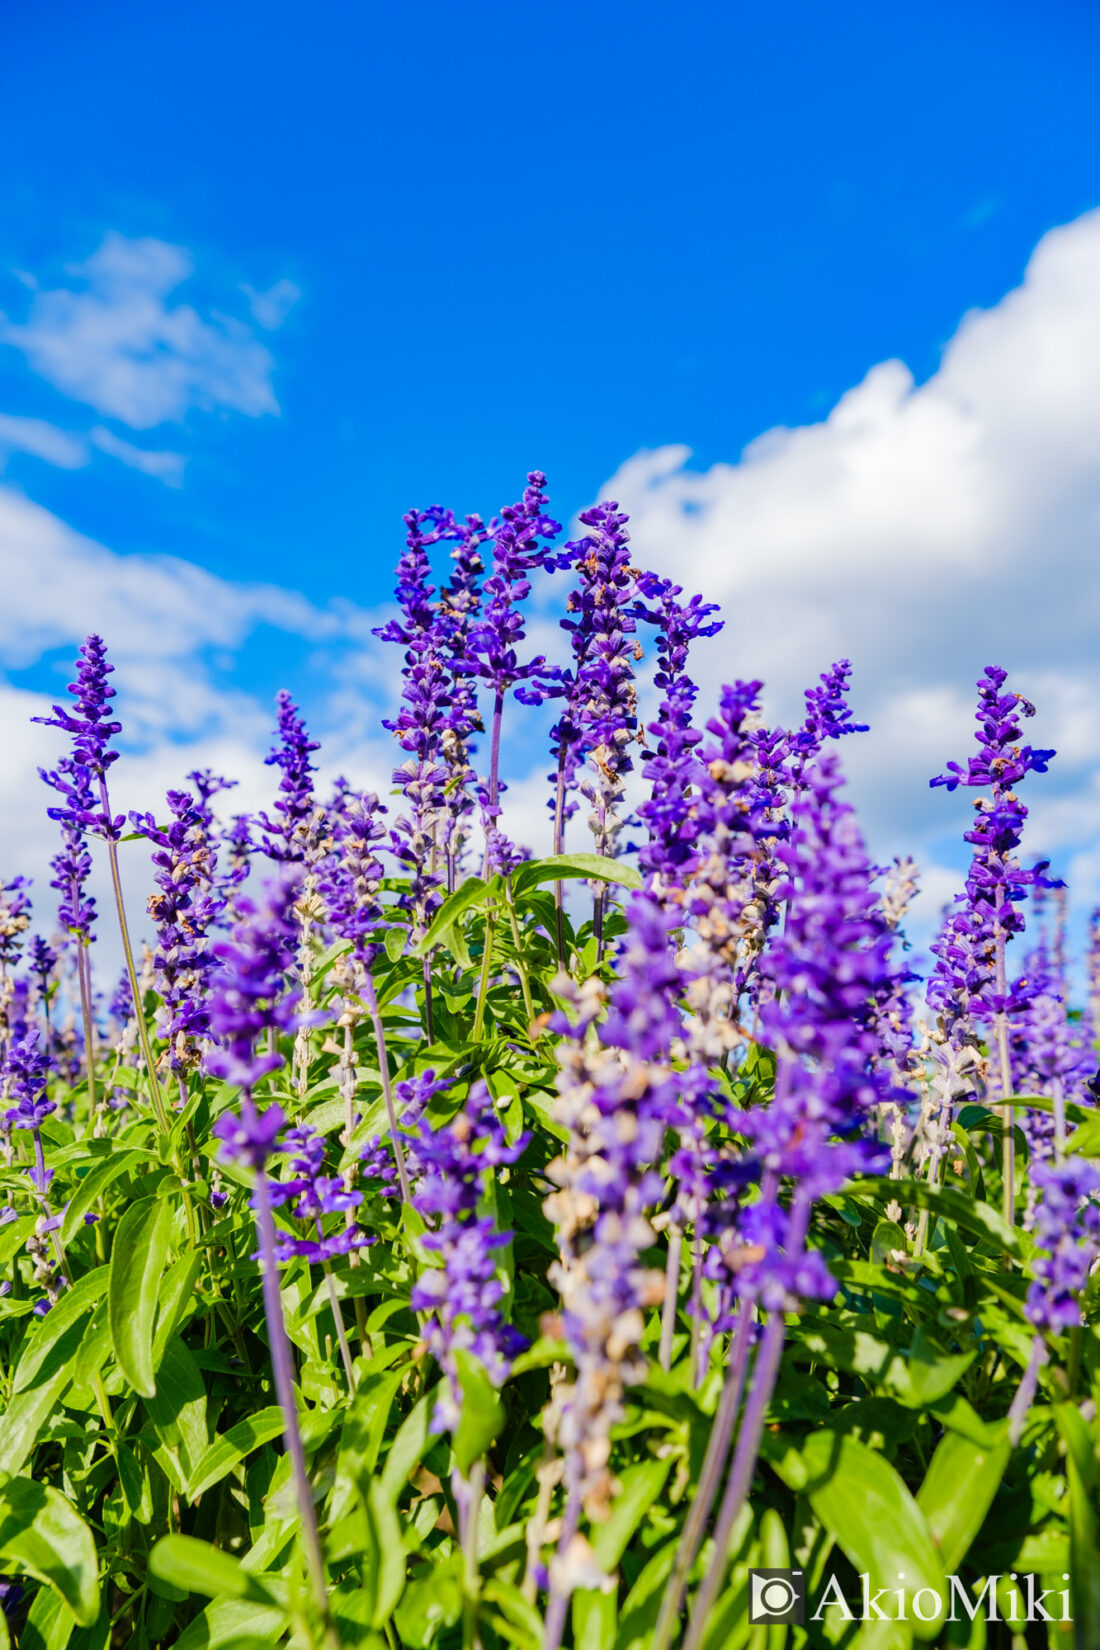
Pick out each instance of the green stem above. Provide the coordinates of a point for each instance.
(84, 976)
(486, 965)
(338, 1319)
(475, 1486)
(521, 966)
(370, 997)
(131, 974)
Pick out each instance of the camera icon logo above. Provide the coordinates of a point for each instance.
(777, 1595)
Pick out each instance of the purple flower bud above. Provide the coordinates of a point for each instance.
(671, 767)
(292, 836)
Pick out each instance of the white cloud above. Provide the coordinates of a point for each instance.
(270, 309)
(164, 466)
(924, 531)
(34, 435)
(119, 343)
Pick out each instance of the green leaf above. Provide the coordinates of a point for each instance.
(177, 1408)
(92, 1187)
(958, 1491)
(49, 1624)
(385, 1554)
(432, 1601)
(512, 1616)
(44, 1536)
(55, 1332)
(232, 1446)
(562, 866)
(865, 1506)
(641, 1485)
(197, 1567)
(233, 1624)
(594, 1619)
(916, 1379)
(138, 1255)
(175, 1295)
(28, 1413)
(888, 1237)
(1084, 1528)
(14, 1235)
(408, 1446)
(1085, 1141)
(472, 894)
(482, 1412)
(361, 1437)
(980, 1219)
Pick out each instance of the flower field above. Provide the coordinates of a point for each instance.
(427, 1247)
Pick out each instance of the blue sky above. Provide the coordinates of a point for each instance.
(273, 274)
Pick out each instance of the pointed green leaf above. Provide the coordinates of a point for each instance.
(482, 1412)
(958, 1491)
(138, 1255)
(197, 1567)
(232, 1446)
(92, 1187)
(27, 1414)
(640, 1487)
(469, 897)
(560, 867)
(1084, 1524)
(865, 1506)
(43, 1535)
(53, 1333)
(386, 1554)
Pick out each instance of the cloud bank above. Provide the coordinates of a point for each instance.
(923, 531)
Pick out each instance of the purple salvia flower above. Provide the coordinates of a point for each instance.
(598, 719)
(90, 726)
(825, 968)
(235, 849)
(970, 979)
(184, 909)
(248, 989)
(828, 716)
(1048, 1054)
(416, 838)
(460, 606)
(26, 1069)
(462, 1296)
(76, 910)
(671, 768)
(1067, 1231)
(19, 1009)
(121, 1006)
(42, 960)
(731, 812)
(617, 1094)
(494, 638)
(206, 785)
(15, 916)
(352, 876)
(970, 971)
(293, 835)
(310, 1196)
(891, 1009)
